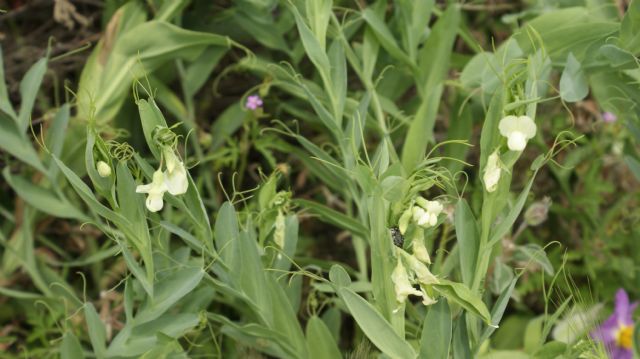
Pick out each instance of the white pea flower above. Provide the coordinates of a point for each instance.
(176, 174)
(492, 172)
(517, 130)
(104, 170)
(426, 214)
(422, 273)
(401, 283)
(427, 300)
(155, 191)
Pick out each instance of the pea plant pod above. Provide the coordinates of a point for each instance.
(324, 179)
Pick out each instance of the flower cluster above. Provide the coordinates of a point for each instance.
(173, 180)
(418, 274)
(253, 102)
(424, 213)
(421, 214)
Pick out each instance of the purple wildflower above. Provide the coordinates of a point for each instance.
(616, 333)
(609, 117)
(253, 102)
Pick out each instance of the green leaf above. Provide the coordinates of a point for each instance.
(97, 332)
(167, 292)
(461, 294)
(42, 198)
(197, 74)
(55, 135)
(461, 348)
(384, 36)
(333, 217)
(434, 64)
(320, 342)
(87, 196)
(226, 233)
(318, 13)
(573, 82)
(70, 347)
(498, 310)
(468, 240)
(630, 28)
(507, 222)
(533, 252)
(151, 117)
(339, 276)
(5, 104)
(313, 48)
(29, 87)
(375, 327)
(436, 332)
(634, 166)
(17, 144)
(107, 78)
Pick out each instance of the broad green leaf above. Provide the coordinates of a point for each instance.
(42, 198)
(617, 57)
(320, 342)
(573, 82)
(436, 332)
(226, 233)
(630, 28)
(498, 310)
(137, 341)
(318, 13)
(375, 327)
(87, 196)
(433, 62)
(338, 79)
(434, 56)
(55, 136)
(461, 349)
(574, 30)
(533, 252)
(468, 239)
(197, 74)
(96, 330)
(5, 104)
(313, 48)
(339, 276)
(384, 36)
(106, 80)
(70, 347)
(461, 294)
(151, 118)
(14, 142)
(29, 87)
(167, 292)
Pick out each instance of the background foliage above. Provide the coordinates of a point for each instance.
(281, 245)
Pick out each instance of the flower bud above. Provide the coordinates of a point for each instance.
(537, 212)
(492, 172)
(103, 169)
